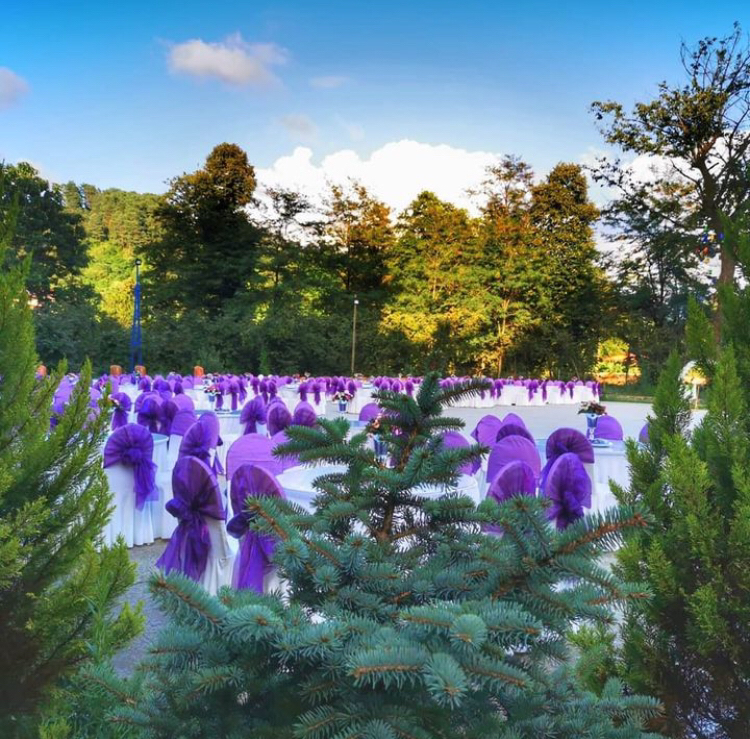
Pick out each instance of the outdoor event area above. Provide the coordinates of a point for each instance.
(374, 371)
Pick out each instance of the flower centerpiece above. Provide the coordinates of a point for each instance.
(593, 410)
(212, 391)
(342, 398)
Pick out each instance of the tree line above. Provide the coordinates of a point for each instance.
(239, 277)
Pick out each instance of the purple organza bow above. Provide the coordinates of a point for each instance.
(256, 549)
(252, 414)
(133, 446)
(568, 486)
(122, 404)
(196, 496)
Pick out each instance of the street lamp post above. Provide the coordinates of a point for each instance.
(354, 333)
(136, 347)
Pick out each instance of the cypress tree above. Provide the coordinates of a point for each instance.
(55, 584)
(689, 645)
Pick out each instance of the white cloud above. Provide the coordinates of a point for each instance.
(233, 61)
(396, 173)
(12, 88)
(299, 125)
(329, 82)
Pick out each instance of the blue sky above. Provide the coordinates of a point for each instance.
(115, 95)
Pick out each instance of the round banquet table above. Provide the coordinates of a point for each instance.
(297, 483)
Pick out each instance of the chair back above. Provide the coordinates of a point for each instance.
(511, 449)
(253, 449)
(609, 428)
(485, 432)
(513, 478)
(369, 412)
(454, 440)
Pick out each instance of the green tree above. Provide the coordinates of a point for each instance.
(573, 298)
(511, 265)
(44, 229)
(402, 618)
(54, 503)
(699, 131)
(437, 292)
(209, 248)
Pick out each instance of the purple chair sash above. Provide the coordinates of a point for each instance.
(304, 415)
(454, 440)
(513, 478)
(512, 449)
(513, 429)
(122, 404)
(196, 496)
(608, 428)
(150, 414)
(278, 418)
(256, 550)
(369, 411)
(485, 432)
(563, 441)
(133, 446)
(568, 486)
(252, 414)
(286, 460)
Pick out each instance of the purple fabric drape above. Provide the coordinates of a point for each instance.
(256, 550)
(369, 411)
(253, 413)
(485, 432)
(303, 392)
(512, 449)
(196, 497)
(409, 387)
(454, 440)
(133, 446)
(210, 421)
(122, 404)
(278, 418)
(286, 460)
(304, 415)
(563, 441)
(568, 486)
(182, 421)
(169, 410)
(183, 402)
(252, 449)
(150, 414)
(234, 393)
(351, 388)
(513, 429)
(196, 442)
(513, 478)
(608, 428)
(643, 434)
(514, 418)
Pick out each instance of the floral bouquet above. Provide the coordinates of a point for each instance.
(342, 396)
(213, 391)
(593, 410)
(591, 407)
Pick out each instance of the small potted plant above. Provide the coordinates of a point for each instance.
(342, 398)
(592, 410)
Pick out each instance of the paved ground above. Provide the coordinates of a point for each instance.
(541, 421)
